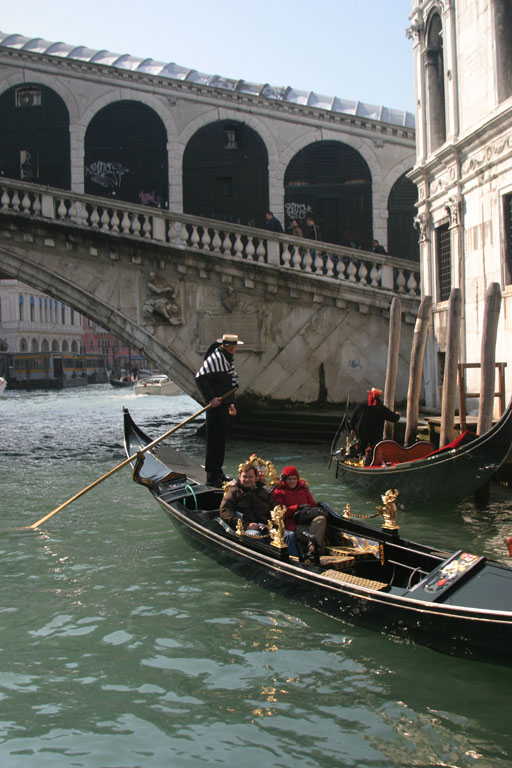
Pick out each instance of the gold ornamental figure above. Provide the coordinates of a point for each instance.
(389, 510)
(276, 527)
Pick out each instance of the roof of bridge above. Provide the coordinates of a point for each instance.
(177, 72)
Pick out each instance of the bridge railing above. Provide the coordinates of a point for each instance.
(233, 241)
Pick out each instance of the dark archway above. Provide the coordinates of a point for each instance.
(34, 136)
(126, 155)
(434, 67)
(402, 237)
(225, 174)
(332, 181)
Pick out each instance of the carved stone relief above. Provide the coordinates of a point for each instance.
(453, 208)
(421, 223)
(161, 304)
(229, 299)
(488, 154)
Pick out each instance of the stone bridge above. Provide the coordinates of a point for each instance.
(314, 316)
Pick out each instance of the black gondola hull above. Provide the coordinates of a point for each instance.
(444, 477)
(456, 634)
(470, 616)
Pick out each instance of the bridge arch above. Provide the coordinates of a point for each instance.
(215, 116)
(333, 181)
(34, 135)
(402, 237)
(125, 154)
(80, 126)
(225, 174)
(97, 308)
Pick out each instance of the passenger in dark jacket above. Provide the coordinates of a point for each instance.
(248, 496)
(215, 378)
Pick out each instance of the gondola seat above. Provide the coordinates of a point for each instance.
(390, 452)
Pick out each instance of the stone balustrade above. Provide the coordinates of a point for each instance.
(232, 241)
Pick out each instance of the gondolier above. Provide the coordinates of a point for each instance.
(217, 376)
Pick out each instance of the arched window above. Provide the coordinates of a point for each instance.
(34, 136)
(45, 346)
(20, 304)
(402, 237)
(23, 345)
(55, 345)
(32, 309)
(225, 174)
(34, 346)
(332, 181)
(503, 36)
(434, 67)
(65, 346)
(126, 155)
(74, 346)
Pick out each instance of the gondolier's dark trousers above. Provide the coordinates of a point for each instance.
(216, 432)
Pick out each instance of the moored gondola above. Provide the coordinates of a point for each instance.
(455, 602)
(426, 476)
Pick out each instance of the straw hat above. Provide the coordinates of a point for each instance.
(230, 338)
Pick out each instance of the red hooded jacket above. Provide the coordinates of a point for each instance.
(292, 499)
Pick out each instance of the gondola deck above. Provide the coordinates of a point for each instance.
(455, 602)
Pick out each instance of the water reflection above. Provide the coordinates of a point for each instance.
(122, 646)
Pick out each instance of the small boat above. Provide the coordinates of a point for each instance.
(426, 476)
(3, 385)
(159, 384)
(123, 383)
(456, 602)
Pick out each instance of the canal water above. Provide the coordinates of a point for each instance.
(121, 646)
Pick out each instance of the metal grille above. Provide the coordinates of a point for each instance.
(444, 261)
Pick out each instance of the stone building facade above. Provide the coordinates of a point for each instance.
(31, 321)
(463, 170)
(145, 131)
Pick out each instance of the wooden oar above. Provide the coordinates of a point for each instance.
(123, 464)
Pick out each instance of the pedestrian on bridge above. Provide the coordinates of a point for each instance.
(272, 223)
(215, 378)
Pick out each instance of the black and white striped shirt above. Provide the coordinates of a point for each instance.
(217, 374)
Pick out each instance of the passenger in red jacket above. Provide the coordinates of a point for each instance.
(302, 513)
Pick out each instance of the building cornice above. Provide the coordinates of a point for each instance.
(208, 93)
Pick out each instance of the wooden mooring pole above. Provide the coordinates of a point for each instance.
(419, 341)
(395, 317)
(488, 357)
(450, 367)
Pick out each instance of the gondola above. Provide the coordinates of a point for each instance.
(123, 383)
(426, 476)
(455, 602)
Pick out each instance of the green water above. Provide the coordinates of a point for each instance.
(120, 646)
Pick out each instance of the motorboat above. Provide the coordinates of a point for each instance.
(158, 384)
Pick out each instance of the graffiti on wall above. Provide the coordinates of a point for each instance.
(106, 175)
(297, 211)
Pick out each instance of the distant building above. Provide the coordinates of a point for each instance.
(463, 169)
(31, 321)
(119, 357)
